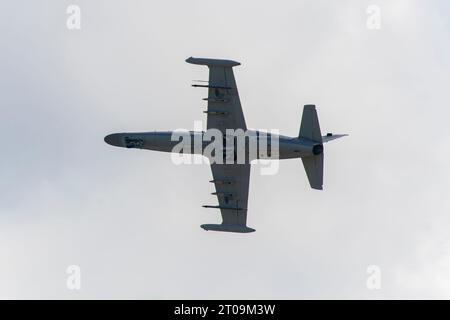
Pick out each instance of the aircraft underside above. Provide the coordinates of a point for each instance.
(230, 146)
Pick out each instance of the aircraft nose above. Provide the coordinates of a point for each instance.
(114, 139)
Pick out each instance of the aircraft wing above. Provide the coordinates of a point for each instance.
(225, 112)
(231, 182)
(224, 107)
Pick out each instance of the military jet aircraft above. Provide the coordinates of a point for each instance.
(231, 180)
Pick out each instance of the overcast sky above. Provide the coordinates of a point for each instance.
(130, 218)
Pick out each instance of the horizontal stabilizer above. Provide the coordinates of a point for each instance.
(227, 228)
(314, 170)
(309, 127)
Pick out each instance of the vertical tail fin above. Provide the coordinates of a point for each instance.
(310, 129)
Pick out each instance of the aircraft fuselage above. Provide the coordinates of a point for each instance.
(257, 145)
